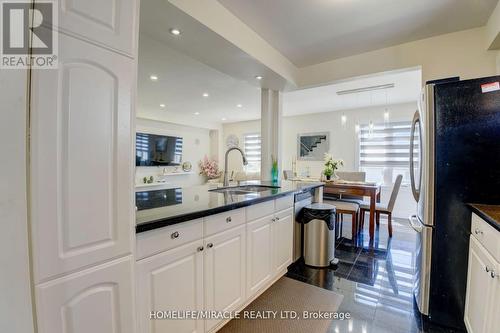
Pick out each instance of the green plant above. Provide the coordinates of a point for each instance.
(331, 165)
(274, 162)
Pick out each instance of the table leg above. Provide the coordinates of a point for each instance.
(372, 215)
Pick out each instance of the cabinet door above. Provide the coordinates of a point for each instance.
(282, 240)
(97, 300)
(259, 254)
(224, 272)
(171, 281)
(479, 288)
(111, 23)
(81, 160)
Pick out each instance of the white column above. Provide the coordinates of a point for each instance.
(271, 119)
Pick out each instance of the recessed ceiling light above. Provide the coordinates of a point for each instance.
(196, 113)
(153, 77)
(223, 119)
(259, 77)
(175, 32)
(162, 105)
(205, 95)
(239, 105)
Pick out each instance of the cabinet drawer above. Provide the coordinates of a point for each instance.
(224, 221)
(486, 235)
(159, 240)
(260, 210)
(283, 203)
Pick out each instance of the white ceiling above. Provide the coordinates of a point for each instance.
(199, 61)
(313, 31)
(182, 81)
(407, 86)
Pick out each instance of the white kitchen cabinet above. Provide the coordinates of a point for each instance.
(282, 230)
(479, 288)
(96, 300)
(259, 254)
(224, 272)
(482, 304)
(171, 281)
(81, 162)
(110, 23)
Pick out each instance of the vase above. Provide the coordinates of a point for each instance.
(328, 177)
(274, 175)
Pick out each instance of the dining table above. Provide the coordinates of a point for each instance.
(357, 189)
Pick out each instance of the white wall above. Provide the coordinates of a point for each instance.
(343, 142)
(462, 53)
(196, 144)
(15, 300)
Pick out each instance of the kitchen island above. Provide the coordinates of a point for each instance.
(207, 248)
(164, 207)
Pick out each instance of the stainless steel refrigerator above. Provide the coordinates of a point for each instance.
(455, 160)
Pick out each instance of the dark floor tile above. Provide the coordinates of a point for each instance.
(297, 277)
(346, 256)
(331, 279)
(374, 253)
(364, 273)
(299, 268)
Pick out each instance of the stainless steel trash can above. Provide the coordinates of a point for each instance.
(319, 234)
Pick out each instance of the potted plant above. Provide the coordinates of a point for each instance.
(209, 169)
(331, 166)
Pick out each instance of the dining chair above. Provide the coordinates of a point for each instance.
(349, 208)
(383, 209)
(352, 176)
(288, 174)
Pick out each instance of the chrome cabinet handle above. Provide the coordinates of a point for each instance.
(494, 275)
(228, 219)
(487, 269)
(277, 218)
(174, 235)
(273, 220)
(478, 232)
(200, 248)
(210, 245)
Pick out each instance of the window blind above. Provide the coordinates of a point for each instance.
(252, 148)
(386, 145)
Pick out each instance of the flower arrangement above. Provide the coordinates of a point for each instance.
(331, 165)
(209, 168)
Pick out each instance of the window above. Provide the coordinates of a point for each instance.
(252, 146)
(384, 151)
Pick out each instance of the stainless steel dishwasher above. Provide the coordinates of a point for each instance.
(301, 200)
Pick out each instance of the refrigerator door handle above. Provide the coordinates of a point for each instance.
(414, 190)
(415, 223)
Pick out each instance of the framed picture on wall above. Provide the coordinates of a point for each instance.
(313, 146)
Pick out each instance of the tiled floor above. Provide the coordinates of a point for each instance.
(376, 279)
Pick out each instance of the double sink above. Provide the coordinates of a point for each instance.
(244, 189)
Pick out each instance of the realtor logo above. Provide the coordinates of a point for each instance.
(28, 38)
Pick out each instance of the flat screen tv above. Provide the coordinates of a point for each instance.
(157, 150)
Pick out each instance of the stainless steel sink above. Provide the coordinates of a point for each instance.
(244, 189)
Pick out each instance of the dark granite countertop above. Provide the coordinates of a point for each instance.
(160, 208)
(490, 213)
